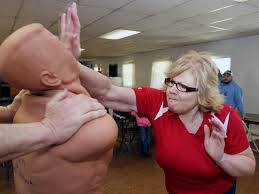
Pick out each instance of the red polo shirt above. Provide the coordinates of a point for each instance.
(187, 167)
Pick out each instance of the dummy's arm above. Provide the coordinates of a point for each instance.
(111, 96)
(19, 139)
(7, 113)
(62, 119)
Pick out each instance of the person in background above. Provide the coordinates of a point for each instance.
(144, 127)
(232, 92)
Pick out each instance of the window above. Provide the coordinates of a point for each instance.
(128, 74)
(159, 70)
(98, 68)
(223, 64)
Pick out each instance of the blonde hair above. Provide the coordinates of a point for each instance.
(206, 73)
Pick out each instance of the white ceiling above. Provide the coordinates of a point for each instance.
(163, 23)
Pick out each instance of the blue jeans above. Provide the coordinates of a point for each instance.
(145, 140)
(232, 190)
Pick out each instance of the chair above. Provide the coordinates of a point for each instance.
(127, 130)
(252, 136)
(7, 169)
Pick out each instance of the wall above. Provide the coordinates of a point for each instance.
(244, 53)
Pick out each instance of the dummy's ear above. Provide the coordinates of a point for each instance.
(49, 79)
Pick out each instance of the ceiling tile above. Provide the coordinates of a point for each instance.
(112, 4)
(42, 9)
(231, 12)
(97, 29)
(25, 21)
(10, 8)
(163, 23)
(170, 29)
(154, 6)
(251, 19)
(253, 2)
(117, 19)
(5, 27)
(194, 8)
(181, 12)
(152, 22)
(195, 31)
(122, 18)
(89, 14)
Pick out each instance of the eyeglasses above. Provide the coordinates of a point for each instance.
(181, 87)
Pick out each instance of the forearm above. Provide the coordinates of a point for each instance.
(237, 165)
(6, 116)
(97, 84)
(111, 96)
(19, 139)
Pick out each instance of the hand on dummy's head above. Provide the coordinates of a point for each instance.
(69, 25)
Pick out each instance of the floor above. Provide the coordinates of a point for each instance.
(131, 174)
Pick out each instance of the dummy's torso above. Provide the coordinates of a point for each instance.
(78, 166)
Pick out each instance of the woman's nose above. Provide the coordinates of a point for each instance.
(173, 89)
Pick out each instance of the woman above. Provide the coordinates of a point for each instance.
(200, 142)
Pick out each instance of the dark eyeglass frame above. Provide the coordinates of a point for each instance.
(187, 88)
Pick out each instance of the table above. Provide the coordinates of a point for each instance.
(251, 118)
(127, 130)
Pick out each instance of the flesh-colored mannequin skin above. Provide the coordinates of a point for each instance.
(32, 58)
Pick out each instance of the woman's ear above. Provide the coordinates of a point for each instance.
(49, 79)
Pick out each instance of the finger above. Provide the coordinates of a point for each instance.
(68, 20)
(58, 97)
(62, 23)
(75, 19)
(92, 115)
(83, 103)
(90, 106)
(92, 99)
(85, 97)
(206, 133)
(218, 124)
(217, 135)
(21, 93)
(219, 140)
(215, 138)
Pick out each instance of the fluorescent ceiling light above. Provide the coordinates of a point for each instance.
(82, 49)
(240, 1)
(221, 21)
(119, 34)
(225, 7)
(218, 28)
